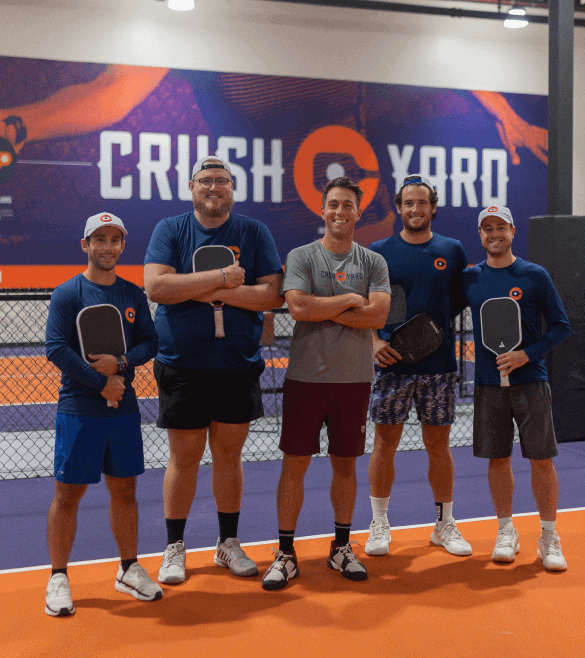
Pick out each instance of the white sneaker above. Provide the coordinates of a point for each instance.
(450, 538)
(549, 551)
(138, 583)
(507, 544)
(172, 569)
(58, 601)
(379, 539)
(230, 555)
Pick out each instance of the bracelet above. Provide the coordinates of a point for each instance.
(223, 275)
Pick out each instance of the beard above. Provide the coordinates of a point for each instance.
(418, 229)
(218, 211)
(104, 267)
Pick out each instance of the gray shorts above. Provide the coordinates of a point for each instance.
(529, 405)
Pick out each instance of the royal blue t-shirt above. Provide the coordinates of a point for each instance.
(430, 274)
(531, 286)
(80, 384)
(186, 331)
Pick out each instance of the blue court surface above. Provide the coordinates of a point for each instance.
(25, 504)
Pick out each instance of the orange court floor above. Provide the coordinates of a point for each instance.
(418, 602)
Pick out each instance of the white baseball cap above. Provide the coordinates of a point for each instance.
(100, 220)
(201, 164)
(496, 211)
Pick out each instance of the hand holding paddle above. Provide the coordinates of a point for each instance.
(384, 355)
(113, 391)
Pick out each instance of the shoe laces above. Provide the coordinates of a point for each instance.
(173, 555)
(553, 545)
(450, 531)
(506, 539)
(59, 587)
(281, 556)
(235, 550)
(379, 531)
(348, 551)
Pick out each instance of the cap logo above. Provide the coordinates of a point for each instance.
(105, 218)
(493, 209)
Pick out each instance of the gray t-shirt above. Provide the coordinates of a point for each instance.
(327, 352)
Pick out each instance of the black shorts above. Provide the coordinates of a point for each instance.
(529, 405)
(305, 406)
(193, 399)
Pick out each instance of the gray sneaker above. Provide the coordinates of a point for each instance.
(58, 602)
(230, 555)
(138, 583)
(172, 569)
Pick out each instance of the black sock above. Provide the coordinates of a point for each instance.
(126, 564)
(342, 533)
(439, 507)
(228, 525)
(175, 530)
(285, 540)
(54, 571)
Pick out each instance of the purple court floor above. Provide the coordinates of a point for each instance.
(25, 504)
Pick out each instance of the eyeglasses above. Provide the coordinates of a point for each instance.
(208, 182)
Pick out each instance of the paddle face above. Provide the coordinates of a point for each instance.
(100, 331)
(501, 327)
(213, 257)
(398, 309)
(416, 338)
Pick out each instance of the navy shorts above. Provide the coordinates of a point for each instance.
(433, 397)
(87, 446)
(529, 405)
(306, 406)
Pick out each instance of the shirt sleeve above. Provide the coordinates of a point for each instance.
(162, 247)
(144, 336)
(60, 334)
(379, 279)
(458, 299)
(557, 322)
(297, 274)
(266, 259)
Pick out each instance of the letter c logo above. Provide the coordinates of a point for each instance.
(331, 139)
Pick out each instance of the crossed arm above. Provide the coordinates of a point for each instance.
(350, 310)
(164, 286)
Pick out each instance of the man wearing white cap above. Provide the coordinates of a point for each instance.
(98, 422)
(425, 270)
(528, 399)
(209, 386)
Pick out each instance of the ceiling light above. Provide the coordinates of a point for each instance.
(182, 5)
(515, 18)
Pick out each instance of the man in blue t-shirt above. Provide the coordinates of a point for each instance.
(425, 273)
(98, 422)
(527, 399)
(208, 385)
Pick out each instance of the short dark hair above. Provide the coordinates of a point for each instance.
(434, 197)
(348, 184)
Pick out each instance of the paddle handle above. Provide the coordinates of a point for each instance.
(504, 380)
(218, 317)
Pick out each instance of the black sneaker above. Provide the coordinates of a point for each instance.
(281, 570)
(342, 558)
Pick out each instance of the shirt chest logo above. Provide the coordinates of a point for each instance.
(516, 293)
(130, 315)
(440, 263)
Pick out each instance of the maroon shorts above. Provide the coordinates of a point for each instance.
(306, 406)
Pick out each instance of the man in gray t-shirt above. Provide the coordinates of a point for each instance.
(337, 291)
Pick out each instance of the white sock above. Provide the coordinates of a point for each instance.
(444, 512)
(548, 525)
(504, 521)
(380, 508)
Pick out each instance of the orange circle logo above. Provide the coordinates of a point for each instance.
(328, 140)
(341, 276)
(236, 251)
(440, 263)
(493, 209)
(516, 293)
(130, 315)
(105, 218)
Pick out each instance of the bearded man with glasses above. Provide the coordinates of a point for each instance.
(208, 386)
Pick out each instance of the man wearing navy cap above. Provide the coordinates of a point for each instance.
(209, 386)
(528, 399)
(425, 272)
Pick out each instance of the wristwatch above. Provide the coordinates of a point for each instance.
(121, 365)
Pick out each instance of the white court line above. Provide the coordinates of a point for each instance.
(49, 162)
(275, 541)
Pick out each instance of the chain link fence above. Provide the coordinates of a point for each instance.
(29, 386)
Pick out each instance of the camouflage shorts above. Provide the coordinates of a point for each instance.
(433, 397)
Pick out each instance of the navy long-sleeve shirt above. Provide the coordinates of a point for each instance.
(531, 286)
(81, 385)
